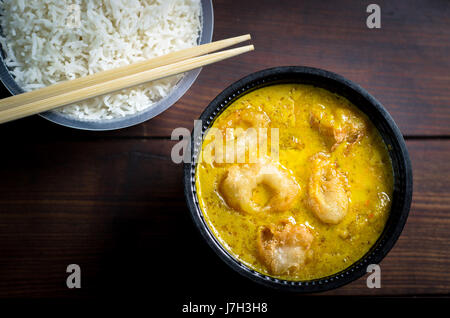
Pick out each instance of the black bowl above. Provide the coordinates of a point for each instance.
(380, 118)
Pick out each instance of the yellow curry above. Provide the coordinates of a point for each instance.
(311, 191)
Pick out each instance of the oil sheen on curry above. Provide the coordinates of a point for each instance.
(294, 181)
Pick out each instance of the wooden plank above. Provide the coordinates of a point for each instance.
(116, 208)
(400, 64)
(404, 64)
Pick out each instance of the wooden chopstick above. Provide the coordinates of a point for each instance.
(96, 88)
(108, 75)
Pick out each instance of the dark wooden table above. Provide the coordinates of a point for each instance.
(113, 202)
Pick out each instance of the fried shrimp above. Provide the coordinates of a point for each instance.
(241, 181)
(328, 197)
(243, 119)
(240, 137)
(243, 149)
(284, 250)
(338, 126)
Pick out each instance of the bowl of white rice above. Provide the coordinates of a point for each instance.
(50, 41)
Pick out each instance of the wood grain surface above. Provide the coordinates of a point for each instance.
(113, 202)
(116, 208)
(405, 64)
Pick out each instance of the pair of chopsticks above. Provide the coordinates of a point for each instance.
(105, 82)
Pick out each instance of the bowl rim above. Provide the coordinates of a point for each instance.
(402, 180)
(182, 86)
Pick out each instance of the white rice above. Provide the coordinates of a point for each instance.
(45, 43)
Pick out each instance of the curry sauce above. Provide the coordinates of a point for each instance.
(317, 129)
